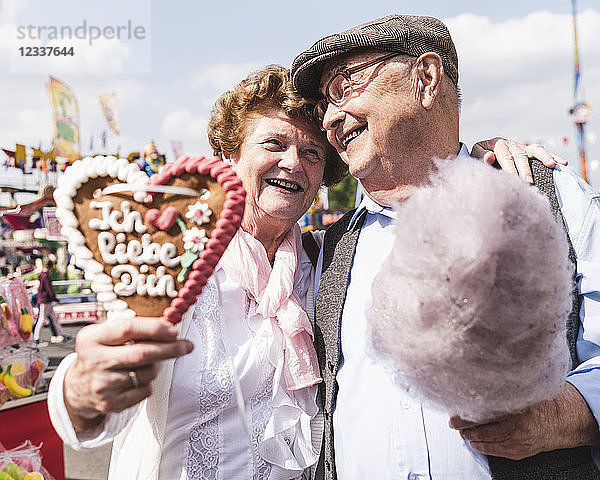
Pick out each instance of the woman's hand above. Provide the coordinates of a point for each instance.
(513, 156)
(100, 380)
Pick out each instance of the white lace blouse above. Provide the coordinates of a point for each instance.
(200, 434)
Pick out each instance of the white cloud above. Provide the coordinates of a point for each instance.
(183, 123)
(6, 32)
(103, 56)
(30, 127)
(224, 76)
(537, 46)
(517, 77)
(184, 126)
(10, 8)
(128, 92)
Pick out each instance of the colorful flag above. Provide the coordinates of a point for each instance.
(581, 111)
(10, 161)
(108, 101)
(20, 157)
(177, 148)
(65, 112)
(45, 158)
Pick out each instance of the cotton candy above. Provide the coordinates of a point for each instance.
(469, 311)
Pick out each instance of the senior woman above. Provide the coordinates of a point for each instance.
(247, 324)
(190, 428)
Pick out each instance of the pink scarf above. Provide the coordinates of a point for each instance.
(245, 262)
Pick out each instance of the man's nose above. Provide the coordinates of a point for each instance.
(333, 115)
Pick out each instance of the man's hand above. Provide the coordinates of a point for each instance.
(563, 422)
(513, 156)
(99, 380)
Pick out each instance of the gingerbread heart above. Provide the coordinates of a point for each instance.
(148, 245)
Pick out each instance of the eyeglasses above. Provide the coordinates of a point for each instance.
(339, 88)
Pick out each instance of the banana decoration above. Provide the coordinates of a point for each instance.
(6, 315)
(34, 476)
(12, 471)
(5, 308)
(26, 321)
(13, 387)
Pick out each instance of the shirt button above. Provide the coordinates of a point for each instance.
(406, 404)
(413, 476)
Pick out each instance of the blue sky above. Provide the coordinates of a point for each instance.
(516, 64)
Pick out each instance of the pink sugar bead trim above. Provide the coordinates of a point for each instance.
(225, 227)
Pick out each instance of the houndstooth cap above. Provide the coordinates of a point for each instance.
(408, 34)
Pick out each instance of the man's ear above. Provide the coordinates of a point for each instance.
(429, 73)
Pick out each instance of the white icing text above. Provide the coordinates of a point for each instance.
(136, 252)
(132, 282)
(125, 221)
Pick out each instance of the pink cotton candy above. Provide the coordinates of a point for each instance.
(469, 310)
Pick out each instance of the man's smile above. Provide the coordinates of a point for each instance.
(347, 138)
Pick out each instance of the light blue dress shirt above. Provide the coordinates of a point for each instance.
(380, 431)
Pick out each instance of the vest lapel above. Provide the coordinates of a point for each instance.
(338, 254)
(544, 180)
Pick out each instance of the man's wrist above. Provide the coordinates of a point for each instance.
(576, 424)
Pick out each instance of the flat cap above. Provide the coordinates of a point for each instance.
(407, 34)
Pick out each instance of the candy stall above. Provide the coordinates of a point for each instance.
(29, 447)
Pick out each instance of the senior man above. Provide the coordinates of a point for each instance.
(390, 104)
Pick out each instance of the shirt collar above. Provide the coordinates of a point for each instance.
(372, 207)
(464, 151)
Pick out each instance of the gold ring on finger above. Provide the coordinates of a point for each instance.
(135, 382)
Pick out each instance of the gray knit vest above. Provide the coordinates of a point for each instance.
(338, 254)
